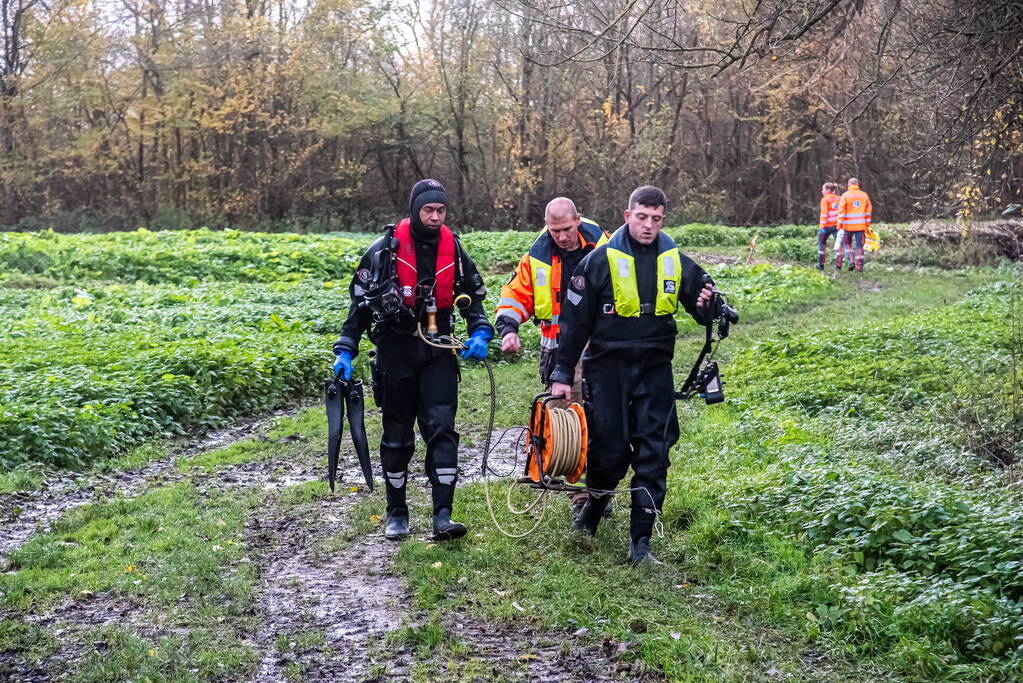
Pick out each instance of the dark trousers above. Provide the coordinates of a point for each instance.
(822, 243)
(418, 383)
(854, 244)
(630, 414)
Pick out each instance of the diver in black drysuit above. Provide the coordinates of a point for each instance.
(414, 381)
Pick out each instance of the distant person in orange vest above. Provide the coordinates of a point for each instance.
(828, 221)
(854, 218)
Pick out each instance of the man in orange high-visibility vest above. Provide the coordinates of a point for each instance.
(854, 218)
(538, 286)
(828, 221)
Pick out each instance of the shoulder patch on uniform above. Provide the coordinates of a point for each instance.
(579, 282)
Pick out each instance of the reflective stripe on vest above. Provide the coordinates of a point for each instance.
(541, 265)
(623, 276)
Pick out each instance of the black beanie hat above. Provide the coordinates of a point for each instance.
(424, 192)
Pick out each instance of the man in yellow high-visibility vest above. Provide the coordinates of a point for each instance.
(622, 302)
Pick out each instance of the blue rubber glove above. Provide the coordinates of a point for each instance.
(343, 365)
(476, 347)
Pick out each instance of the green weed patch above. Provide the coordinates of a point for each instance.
(190, 330)
(870, 369)
(181, 256)
(164, 545)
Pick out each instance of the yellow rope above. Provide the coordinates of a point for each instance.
(541, 497)
(566, 449)
(566, 442)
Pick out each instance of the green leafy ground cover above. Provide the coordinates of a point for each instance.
(110, 340)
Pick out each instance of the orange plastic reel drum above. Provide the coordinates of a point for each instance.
(534, 472)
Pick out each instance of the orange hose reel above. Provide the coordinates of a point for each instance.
(554, 448)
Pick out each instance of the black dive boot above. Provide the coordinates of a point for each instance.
(590, 514)
(397, 525)
(639, 552)
(444, 529)
(641, 526)
(397, 507)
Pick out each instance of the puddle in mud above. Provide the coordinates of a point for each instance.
(868, 286)
(507, 456)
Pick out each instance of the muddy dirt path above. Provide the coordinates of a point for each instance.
(326, 600)
(328, 619)
(24, 514)
(320, 612)
(326, 615)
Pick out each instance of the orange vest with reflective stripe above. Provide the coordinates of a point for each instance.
(829, 210)
(854, 210)
(517, 297)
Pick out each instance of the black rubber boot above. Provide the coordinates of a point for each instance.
(397, 526)
(395, 494)
(444, 529)
(578, 503)
(639, 552)
(590, 514)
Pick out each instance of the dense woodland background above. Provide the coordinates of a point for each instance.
(319, 114)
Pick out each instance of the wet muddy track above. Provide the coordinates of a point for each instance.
(351, 600)
(322, 615)
(343, 599)
(23, 515)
